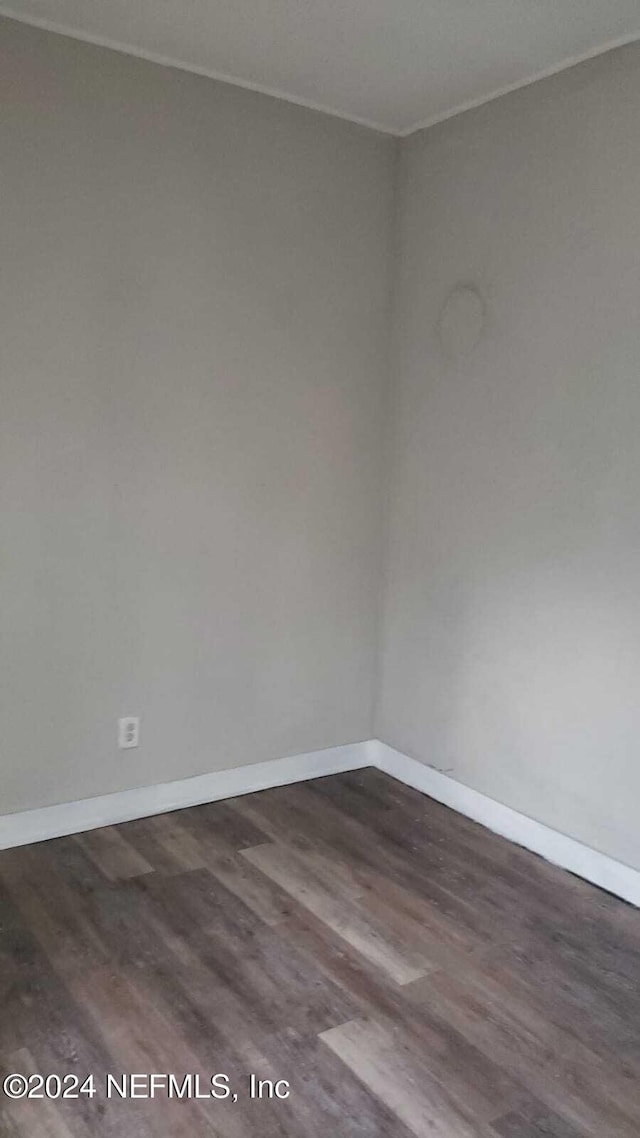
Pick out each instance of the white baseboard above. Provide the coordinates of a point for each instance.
(107, 810)
(566, 852)
(123, 806)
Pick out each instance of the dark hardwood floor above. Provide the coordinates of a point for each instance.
(407, 972)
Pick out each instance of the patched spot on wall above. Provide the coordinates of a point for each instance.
(462, 321)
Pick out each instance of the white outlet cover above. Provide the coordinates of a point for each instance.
(128, 732)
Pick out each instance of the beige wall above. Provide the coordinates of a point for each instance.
(512, 629)
(194, 351)
(193, 308)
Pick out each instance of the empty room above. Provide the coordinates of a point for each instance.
(320, 569)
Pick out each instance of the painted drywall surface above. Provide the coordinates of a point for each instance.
(193, 309)
(511, 653)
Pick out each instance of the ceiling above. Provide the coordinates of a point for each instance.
(395, 65)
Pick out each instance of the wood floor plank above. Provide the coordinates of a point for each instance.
(576, 1003)
(335, 1101)
(375, 942)
(178, 843)
(138, 1038)
(41, 1118)
(223, 860)
(223, 827)
(41, 1018)
(52, 908)
(535, 1121)
(386, 1065)
(112, 853)
(564, 1074)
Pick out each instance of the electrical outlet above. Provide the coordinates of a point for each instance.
(128, 732)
